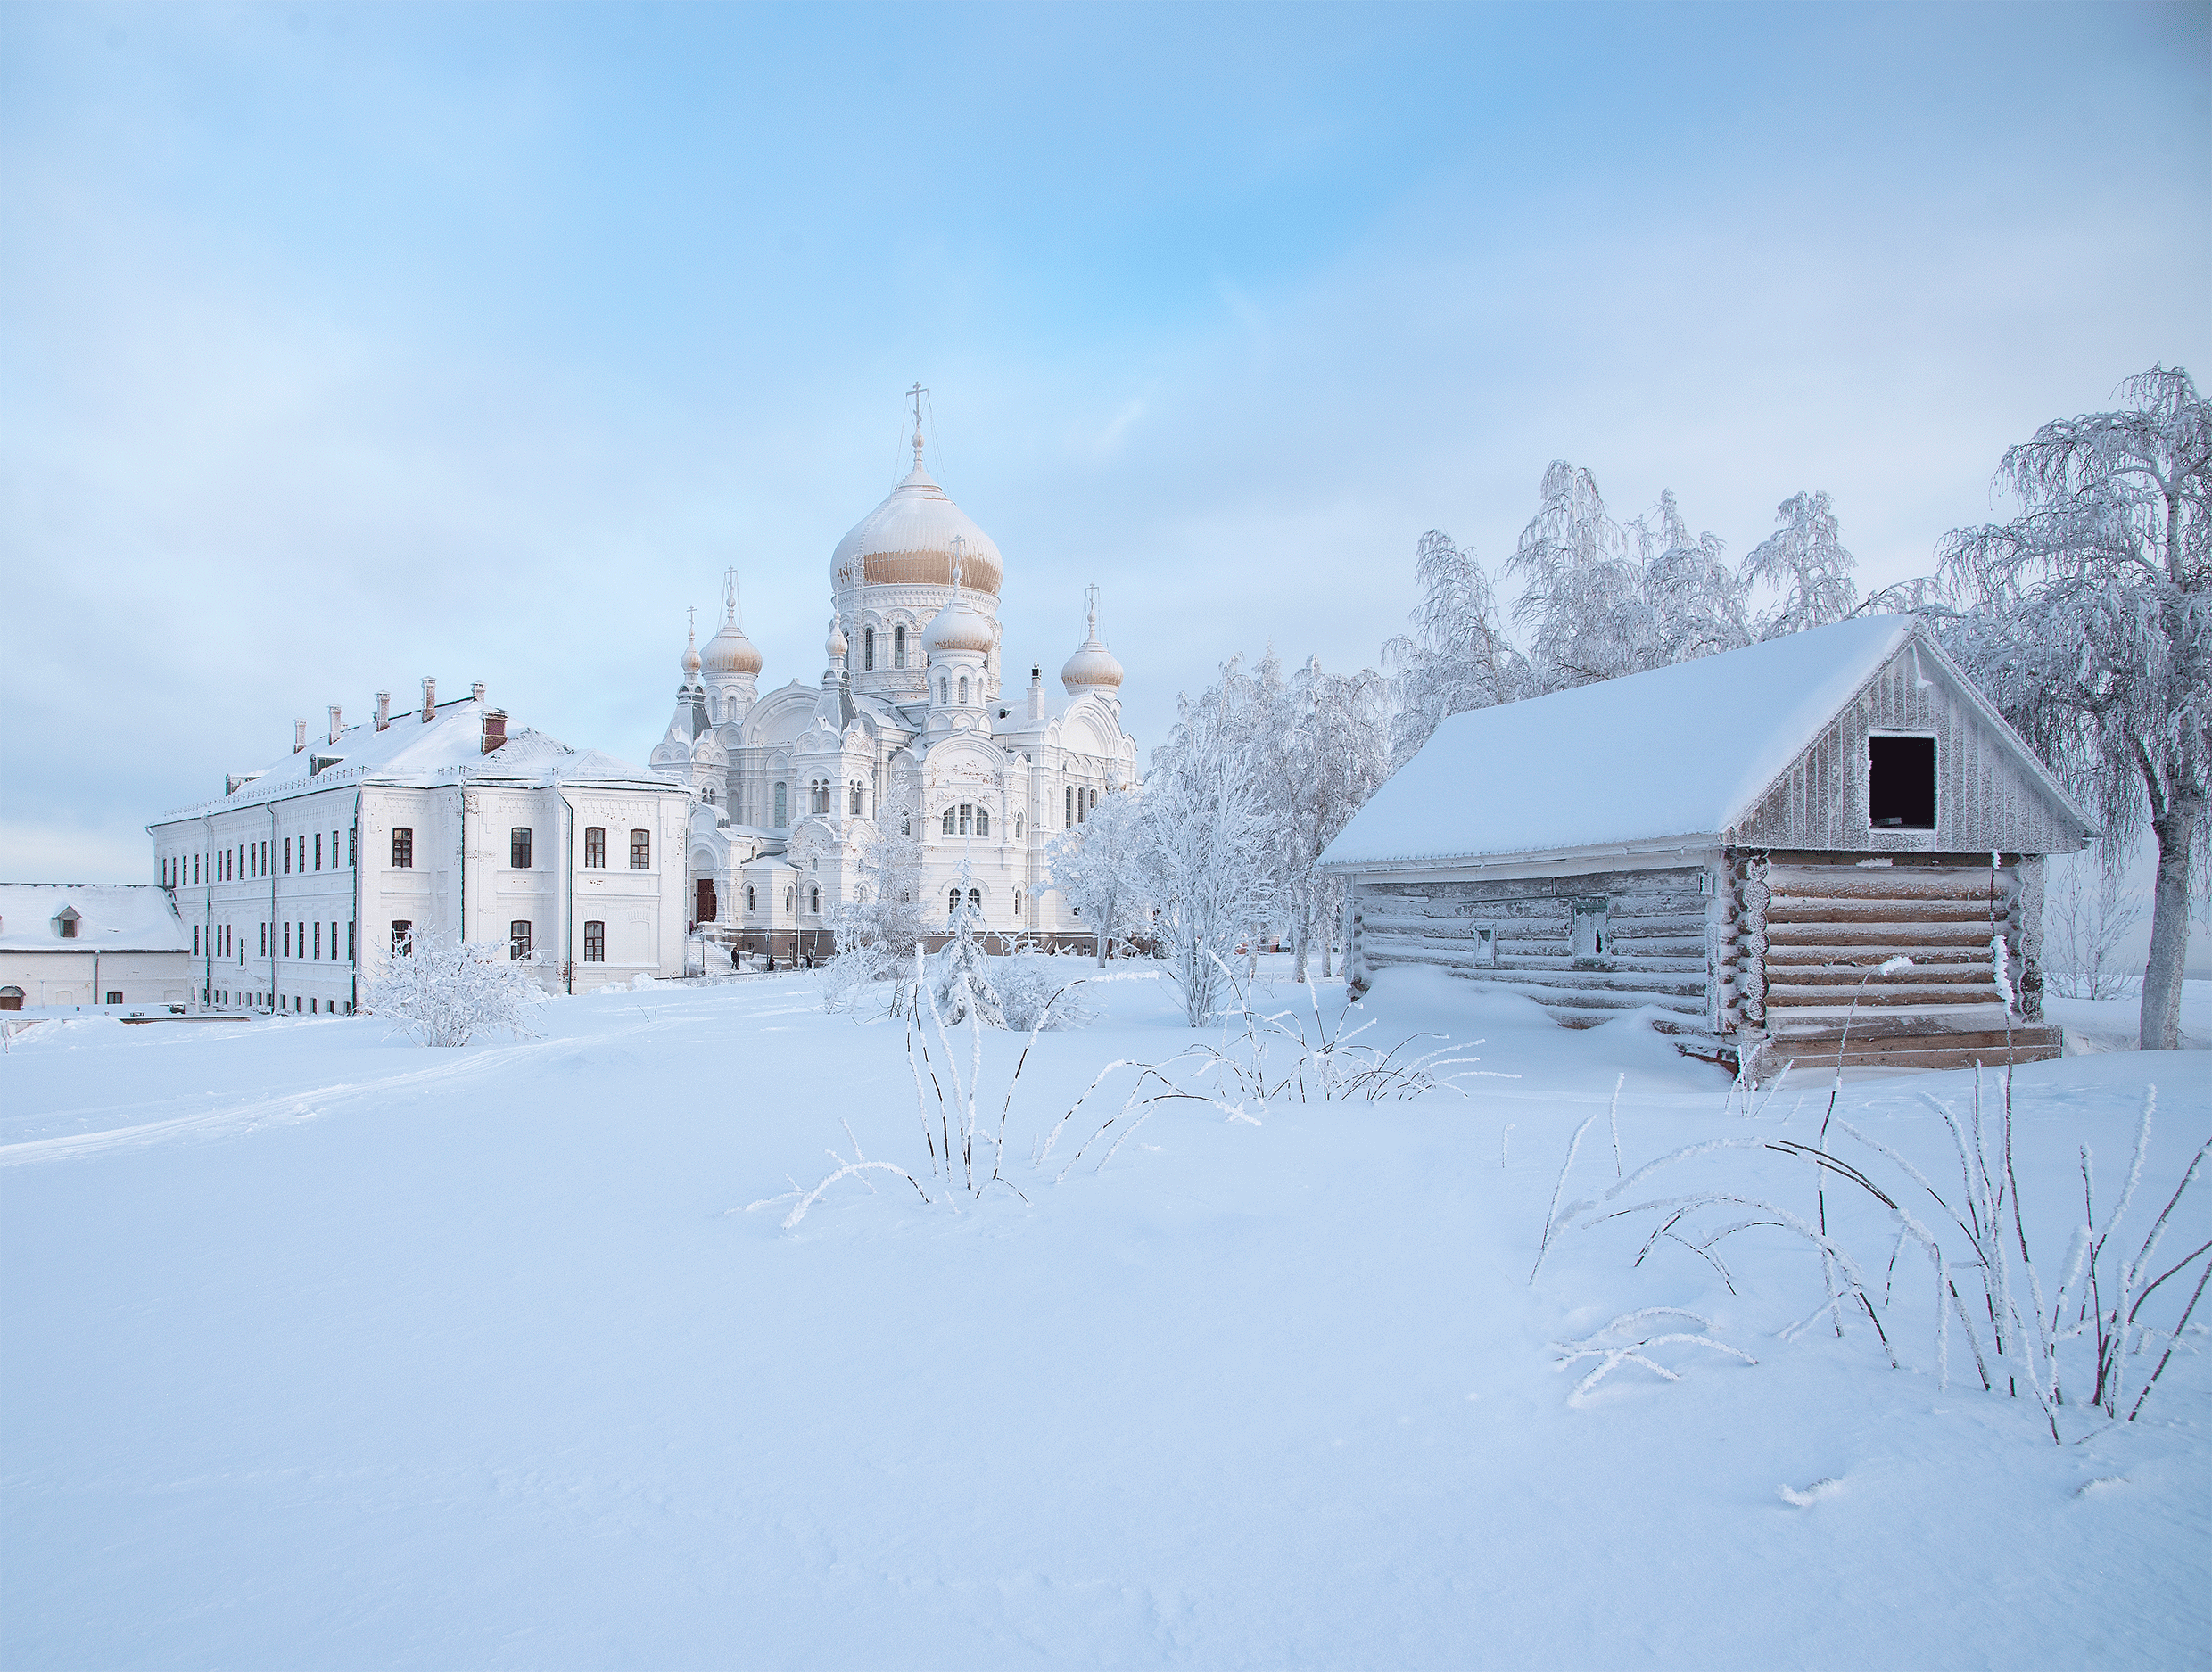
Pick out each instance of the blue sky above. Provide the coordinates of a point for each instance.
(344, 344)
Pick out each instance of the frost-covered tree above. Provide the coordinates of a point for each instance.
(887, 908)
(1457, 657)
(1336, 752)
(1207, 852)
(1101, 866)
(1805, 562)
(1602, 599)
(2091, 629)
(445, 993)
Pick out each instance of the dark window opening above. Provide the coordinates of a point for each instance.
(595, 847)
(1900, 783)
(518, 848)
(402, 848)
(595, 942)
(518, 939)
(402, 931)
(641, 851)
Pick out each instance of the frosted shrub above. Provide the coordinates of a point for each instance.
(445, 993)
(1035, 992)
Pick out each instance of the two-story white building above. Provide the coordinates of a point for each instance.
(438, 822)
(78, 944)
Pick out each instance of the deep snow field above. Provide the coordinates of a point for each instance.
(322, 1350)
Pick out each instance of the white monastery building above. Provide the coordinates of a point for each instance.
(911, 730)
(441, 822)
(78, 944)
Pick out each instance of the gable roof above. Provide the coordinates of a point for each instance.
(110, 918)
(1681, 752)
(416, 752)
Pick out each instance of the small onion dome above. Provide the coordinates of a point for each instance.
(834, 646)
(1092, 667)
(959, 628)
(690, 658)
(729, 651)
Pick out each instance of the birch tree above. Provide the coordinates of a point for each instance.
(1336, 744)
(1458, 655)
(1805, 561)
(1205, 852)
(2091, 629)
(1099, 866)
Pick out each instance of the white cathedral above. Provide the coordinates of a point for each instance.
(911, 729)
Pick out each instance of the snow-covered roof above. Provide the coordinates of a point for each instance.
(1682, 752)
(110, 918)
(413, 751)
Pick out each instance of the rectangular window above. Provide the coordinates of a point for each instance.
(855, 801)
(334, 850)
(898, 647)
(518, 847)
(318, 941)
(287, 856)
(402, 931)
(1080, 805)
(402, 848)
(319, 850)
(868, 648)
(783, 798)
(262, 950)
(1070, 796)
(595, 942)
(1593, 928)
(595, 846)
(287, 940)
(518, 939)
(1900, 783)
(196, 868)
(1486, 945)
(195, 940)
(351, 954)
(640, 850)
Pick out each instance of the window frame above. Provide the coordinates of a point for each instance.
(519, 844)
(595, 847)
(640, 849)
(402, 847)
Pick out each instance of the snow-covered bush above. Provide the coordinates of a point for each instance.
(1099, 867)
(1207, 853)
(1035, 992)
(441, 992)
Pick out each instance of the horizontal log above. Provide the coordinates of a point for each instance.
(1896, 882)
(1803, 978)
(1924, 1059)
(1677, 879)
(1932, 1030)
(1856, 961)
(1975, 934)
(1930, 911)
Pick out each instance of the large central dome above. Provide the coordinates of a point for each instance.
(907, 540)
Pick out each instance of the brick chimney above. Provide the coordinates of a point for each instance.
(383, 710)
(298, 736)
(494, 728)
(336, 724)
(430, 699)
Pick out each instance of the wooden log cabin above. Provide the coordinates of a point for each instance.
(1736, 844)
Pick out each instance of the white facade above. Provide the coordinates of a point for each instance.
(436, 822)
(78, 944)
(911, 727)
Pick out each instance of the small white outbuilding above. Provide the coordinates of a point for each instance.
(78, 944)
(1739, 843)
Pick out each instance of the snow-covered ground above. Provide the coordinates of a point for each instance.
(324, 1351)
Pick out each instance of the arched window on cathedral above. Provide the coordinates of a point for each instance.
(945, 689)
(788, 895)
(963, 687)
(975, 898)
(1017, 905)
(1017, 826)
(948, 821)
(983, 821)
(814, 900)
(752, 901)
(852, 797)
(967, 818)
(860, 896)
(782, 806)
(868, 648)
(906, 822)
(898, 647)
(952, 906)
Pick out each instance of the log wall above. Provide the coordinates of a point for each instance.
(1658, 941)
(1804, 932)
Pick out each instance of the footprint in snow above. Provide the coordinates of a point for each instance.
(1811, 1494)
